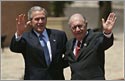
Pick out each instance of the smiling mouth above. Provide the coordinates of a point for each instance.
(78, 32)
(40, 25)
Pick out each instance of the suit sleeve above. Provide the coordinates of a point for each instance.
(107, 42)
(17, 46)
(65, 62)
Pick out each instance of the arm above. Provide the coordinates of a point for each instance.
(17, 44)
(107, 42)
(108, 25)
(65, 62)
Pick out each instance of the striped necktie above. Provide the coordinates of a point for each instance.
(77, 49)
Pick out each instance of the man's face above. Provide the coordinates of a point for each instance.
(78, 28)
(39, 21)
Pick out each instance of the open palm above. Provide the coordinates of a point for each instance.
(21, 24)
(109, 23)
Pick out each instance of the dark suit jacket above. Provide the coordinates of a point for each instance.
(35, 64)
(90, 63)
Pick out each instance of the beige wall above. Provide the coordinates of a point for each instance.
(59, 23)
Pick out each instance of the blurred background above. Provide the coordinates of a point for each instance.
(12, 64)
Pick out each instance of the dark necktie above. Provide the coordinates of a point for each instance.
(77, 49)
(45, 49)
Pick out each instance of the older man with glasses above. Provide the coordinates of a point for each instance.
(86, 51)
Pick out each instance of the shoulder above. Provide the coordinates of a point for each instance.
(25, 34)
(93, 33)
(28, 34)
(55, 30)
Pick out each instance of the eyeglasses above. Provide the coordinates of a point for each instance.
(79, 26)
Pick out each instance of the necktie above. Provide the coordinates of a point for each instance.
(77, 49)
(45, 49)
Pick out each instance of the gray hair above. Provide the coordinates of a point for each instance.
(76, 15)
(35, 8)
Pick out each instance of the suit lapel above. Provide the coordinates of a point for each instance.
(53, 42)
(34, 38)
(82, 49)
(35, 41)
(85, 44)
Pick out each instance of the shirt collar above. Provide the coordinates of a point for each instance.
(44, 33)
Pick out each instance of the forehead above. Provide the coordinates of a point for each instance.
(76, 17)
(38, 13)
(76, 20)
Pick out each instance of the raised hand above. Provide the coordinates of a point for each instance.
(21, 24)
(109, 23)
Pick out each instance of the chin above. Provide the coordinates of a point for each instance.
(39, 31)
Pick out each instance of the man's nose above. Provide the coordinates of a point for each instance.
(40, 20)
(77, 28)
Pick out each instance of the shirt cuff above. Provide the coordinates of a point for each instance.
(17, 37)
(107, 35)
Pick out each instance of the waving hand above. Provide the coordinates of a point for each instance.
(109, 23)
(21, 24)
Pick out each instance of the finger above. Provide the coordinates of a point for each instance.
(114, 20)
(19, 18)
(23, 17)
(103, 21)
(28, 23)
(17, 21)
(110, 17)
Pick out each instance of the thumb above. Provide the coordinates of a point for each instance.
(103, 21)
(28, 23)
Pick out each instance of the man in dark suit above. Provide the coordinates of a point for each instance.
(85, 52)
(37, 43)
